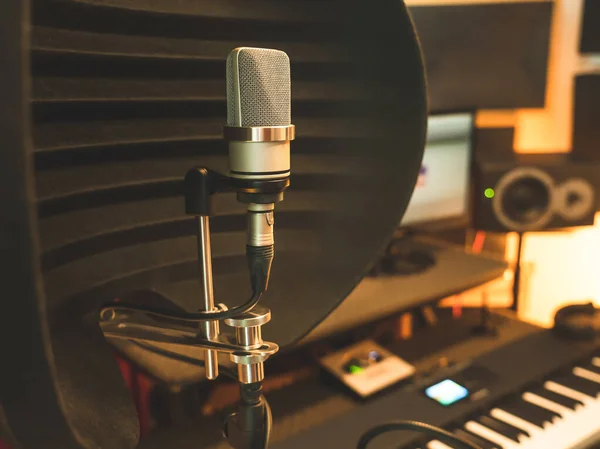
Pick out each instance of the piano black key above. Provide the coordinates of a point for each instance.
(479, 441)
(590, 367)
(577, 383)
(529, 412)
(522, 431)
(557, 398)
(502, 428)
(551, 415)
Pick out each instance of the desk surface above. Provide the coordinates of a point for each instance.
(377, 297)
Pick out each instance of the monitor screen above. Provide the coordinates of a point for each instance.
(442, 191)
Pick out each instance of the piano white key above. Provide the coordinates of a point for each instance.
(596, 361)
(488, 434)
(435, 444)
(515, 421)
(578, 429)
(546, 403)
(568, 392)
(589, 375)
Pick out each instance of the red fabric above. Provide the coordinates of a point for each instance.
(125, 371)
(142, 387)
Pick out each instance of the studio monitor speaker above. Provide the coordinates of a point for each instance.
(534, 193)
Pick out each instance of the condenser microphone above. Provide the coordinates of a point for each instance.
(259, 131)
(259, 128)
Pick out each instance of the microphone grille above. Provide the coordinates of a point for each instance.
(258, 88)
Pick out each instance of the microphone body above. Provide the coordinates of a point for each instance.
(259, 132)
(259, 160)
(259, 126)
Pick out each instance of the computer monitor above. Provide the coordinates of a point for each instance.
(441, 197)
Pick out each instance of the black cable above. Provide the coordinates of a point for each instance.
(260, 260)
(517, 273)
(193, 317)
(183, 358)
(432, 431)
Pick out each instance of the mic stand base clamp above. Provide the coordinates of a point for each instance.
(246, 349)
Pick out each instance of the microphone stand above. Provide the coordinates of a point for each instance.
(517, 273)
(250, 426)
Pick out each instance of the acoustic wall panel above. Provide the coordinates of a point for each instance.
(590, 30)
(586, 132)
(485, 55)
(496, 143)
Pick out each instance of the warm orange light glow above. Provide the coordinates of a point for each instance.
(496, 119)
(550, 130)
(560, 267)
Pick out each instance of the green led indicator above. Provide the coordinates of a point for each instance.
(354, 369)
(489, 193)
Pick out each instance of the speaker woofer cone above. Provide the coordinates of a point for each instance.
(525, 199)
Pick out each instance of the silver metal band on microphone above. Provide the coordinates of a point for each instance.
(260, 134)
